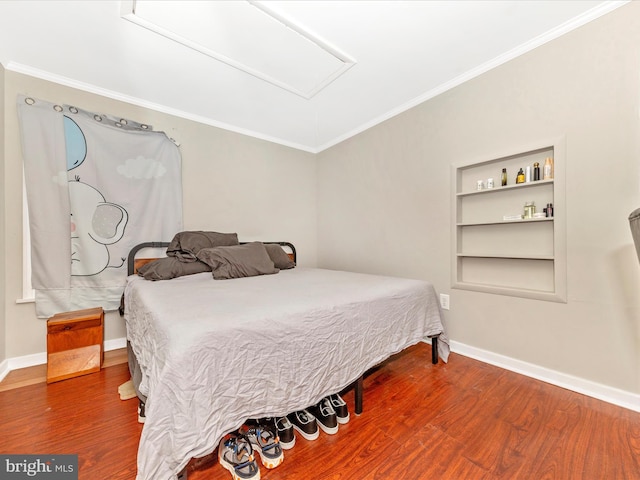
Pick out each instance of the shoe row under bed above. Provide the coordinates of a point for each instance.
(270, 436)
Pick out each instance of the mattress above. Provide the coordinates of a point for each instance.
(215, 352)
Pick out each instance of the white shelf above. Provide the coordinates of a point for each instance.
(505, 222)
(513, 292)
(506, 255)
(506, 188)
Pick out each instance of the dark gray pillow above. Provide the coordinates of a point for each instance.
(238, 261)
(279, 257)
(171, 267)
(186, 245)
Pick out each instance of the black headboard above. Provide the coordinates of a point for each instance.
(132, 253)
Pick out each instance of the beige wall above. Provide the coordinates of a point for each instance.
(384, 198)
(231, 182)
(3, 274)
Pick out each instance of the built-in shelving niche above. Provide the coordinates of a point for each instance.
(522, 258)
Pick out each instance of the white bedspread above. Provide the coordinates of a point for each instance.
(216, 352)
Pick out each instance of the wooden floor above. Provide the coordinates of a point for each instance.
(461, 420)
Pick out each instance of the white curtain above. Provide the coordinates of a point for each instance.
(96, 186)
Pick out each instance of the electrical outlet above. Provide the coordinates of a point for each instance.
(444, 301)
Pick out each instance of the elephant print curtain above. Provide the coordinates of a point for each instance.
(96, 186)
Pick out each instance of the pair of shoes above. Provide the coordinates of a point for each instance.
(326, 414)
(304, 423)
(235, 453)
(283, 429)
(330, 412)
(263, 439)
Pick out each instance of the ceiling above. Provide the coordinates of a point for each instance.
(307, 74)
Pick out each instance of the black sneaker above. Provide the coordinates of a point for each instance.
(340, 406)
(141, 411)
(305, 424)
(325, 416)
(283, 429)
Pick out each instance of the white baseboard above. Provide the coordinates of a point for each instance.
(115, 344)
(41, 358)
(4, 369)
(605, 393)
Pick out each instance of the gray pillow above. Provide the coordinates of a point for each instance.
(171, 267)
(238, 261)
(279, 257)
(186, 245)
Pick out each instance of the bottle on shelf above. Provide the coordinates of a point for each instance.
(536, 172)
(529, 209)
(504, 177)
(549, 210)
(520, 176)
(548, 169)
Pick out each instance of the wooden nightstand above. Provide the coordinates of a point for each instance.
(74, 343)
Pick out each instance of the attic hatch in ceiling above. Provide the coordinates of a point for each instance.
(247, 35)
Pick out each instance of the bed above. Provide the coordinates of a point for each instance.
(208, 354)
